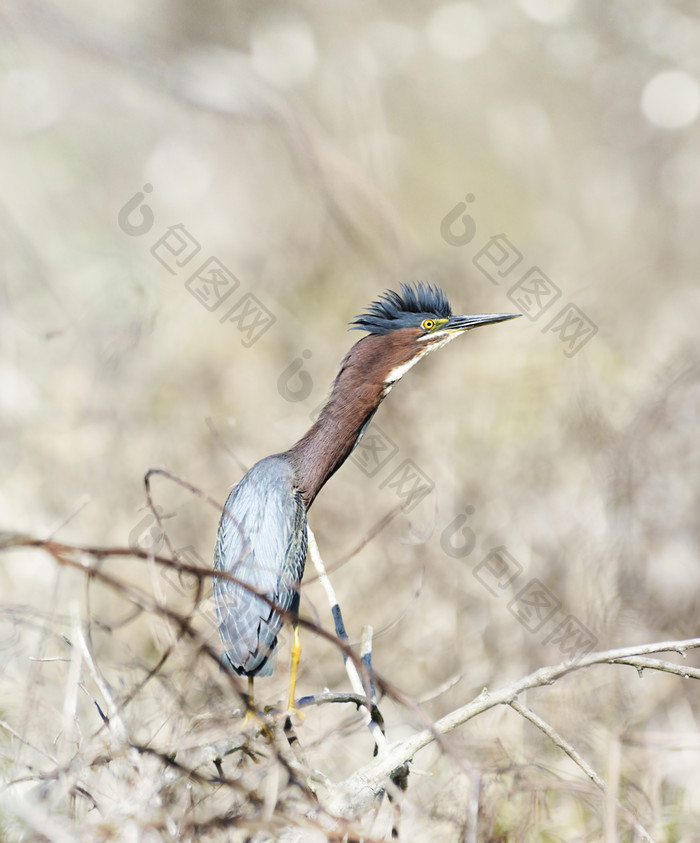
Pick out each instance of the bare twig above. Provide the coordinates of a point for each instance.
(112, 713)
(161, 472)
(353, 796)
(577, 758)
(643, 664)
(559, 741)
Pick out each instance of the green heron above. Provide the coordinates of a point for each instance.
(262, 533)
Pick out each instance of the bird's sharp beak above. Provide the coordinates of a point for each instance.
(464, 323)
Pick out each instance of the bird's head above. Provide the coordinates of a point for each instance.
(405, 326)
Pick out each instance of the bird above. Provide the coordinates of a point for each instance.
(262, 536)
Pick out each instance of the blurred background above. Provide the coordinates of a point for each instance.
(196, 201)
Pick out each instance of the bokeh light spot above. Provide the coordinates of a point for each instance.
(283, 51)
(671, 99)
(458, 31)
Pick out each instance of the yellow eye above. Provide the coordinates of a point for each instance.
(428, 324)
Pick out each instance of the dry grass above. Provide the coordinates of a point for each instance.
(316, 157)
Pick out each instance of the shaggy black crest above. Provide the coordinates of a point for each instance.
(405, 310)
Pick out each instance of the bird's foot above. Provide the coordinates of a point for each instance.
(294, 711)
(255, 722)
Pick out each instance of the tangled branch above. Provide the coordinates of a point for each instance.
(351, 799)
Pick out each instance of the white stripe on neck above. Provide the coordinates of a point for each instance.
(397, 373)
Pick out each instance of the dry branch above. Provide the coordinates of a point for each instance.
(356, 794)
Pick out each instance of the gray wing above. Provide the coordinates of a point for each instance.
(262, 542)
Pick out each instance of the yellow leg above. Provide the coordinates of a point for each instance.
(250, 713)
(296, 655)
